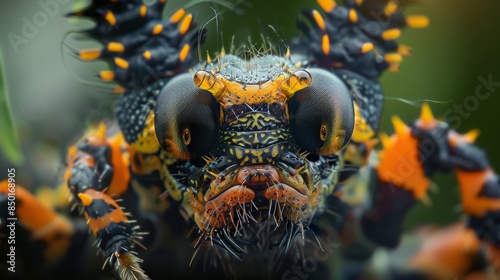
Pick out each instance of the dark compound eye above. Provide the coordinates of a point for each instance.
(322, 114)
(186, 118)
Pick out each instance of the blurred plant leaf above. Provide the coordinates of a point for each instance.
(9, 143)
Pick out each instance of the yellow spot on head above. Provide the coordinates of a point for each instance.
(85, 199)
(325, 44)
(359, 2)
(110, 18)
(89, 54)
(115, 47)
(319, 20)
(184, 52)
(122, 63)
(391, 34)
(417, 21)
(353, 16)
(107, 75)
(147, 55)
(186, 23)
(367, 47)
(176, 17)
(327, 5)
(157, 29)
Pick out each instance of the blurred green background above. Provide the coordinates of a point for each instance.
(51, 108)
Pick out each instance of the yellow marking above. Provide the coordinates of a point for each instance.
(353, 16)
(359, 2)
(107, 75)
(118, 90)
(110, 18)
(327, 5)
(184, 52)
(399, 126)
(176, 17)
(417, 21)
(185, 24)
(85, 199)
(89, 54)
(157, 29)
(287, 54)
(238, 153)
(394, 67)
(391, 34)
(147, 55)
(122, 63)
(274, 151)
(319, 20)
(143, 10)
(298, 80)
(391, 8)
(362, 130)
(325, 44)
(367, 47)
(115, 47)
(404, 50)
(393, 58)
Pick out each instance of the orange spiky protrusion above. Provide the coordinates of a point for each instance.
(90, 54)
(391, 7)
(184, 52)
(177, 16)
(185, 24)
(147, 55)
(417, 21)
(404, 50)
(122, 63)
(391, 34)
(85, 199)
(353, 16)
(367, 47)
(393, 58)
(327, 5)
(118, 90)
(426, 120)
(319, 20)
(325, 44)
(110, 18)
(385, 140)
(426, 115)
(399, 164)
(143, 10)
(399, 126)
(107, 75)
(115, 47)
(472, 135)
(157, 29)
